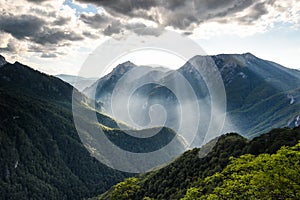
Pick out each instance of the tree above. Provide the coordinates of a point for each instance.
(266, 176)
(125, 190)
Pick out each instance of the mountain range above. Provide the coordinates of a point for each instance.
(260, 94)
(43, 154)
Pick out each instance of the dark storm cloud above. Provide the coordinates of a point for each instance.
(21, 26)
(182, 14)
(125, 7)
(110, 26)
(185, 15)
(55, 36)
(107, 24)
(35, 29)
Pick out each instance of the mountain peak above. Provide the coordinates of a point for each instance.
(127, 63)
(123, 67)
(2, 61)
(248, 54)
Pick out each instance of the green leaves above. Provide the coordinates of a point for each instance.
(267, 176)
(125, 190)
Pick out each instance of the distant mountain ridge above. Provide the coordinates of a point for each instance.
(259, 92)
(76, 81)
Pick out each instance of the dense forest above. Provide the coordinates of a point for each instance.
(262, 168)
(266, 176)
(41, 154)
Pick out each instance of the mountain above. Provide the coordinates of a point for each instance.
(78, 82)
(42, 155)
(191, 169)
(260, 94)
(49, 131)
(2, 61)
(108, 82)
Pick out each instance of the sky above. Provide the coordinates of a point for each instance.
(57, 36)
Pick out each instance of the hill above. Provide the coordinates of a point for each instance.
(41, 153)
(173, 180)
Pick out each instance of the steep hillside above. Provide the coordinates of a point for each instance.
(266, 176)
(41, 153)
(261, 94)
(173, 180)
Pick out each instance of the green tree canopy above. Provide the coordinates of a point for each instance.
(264, 176)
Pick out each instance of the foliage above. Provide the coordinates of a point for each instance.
(265, 176)
(125, 190)
(189, 170)
(41, 155)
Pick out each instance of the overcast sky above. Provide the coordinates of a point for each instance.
(56, 36)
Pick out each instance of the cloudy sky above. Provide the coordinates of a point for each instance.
(56, 36)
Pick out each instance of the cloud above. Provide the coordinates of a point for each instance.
(96, 20)
(142, 29)
(109, 25)
(188, 15)
(37, 1)
(55, 36)
(178, 14)
(48, 55)
(61, 21)
(10, 47)
(47, 27)
(257, 11)
(21, 26)
(36, 29)
(115, 17)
